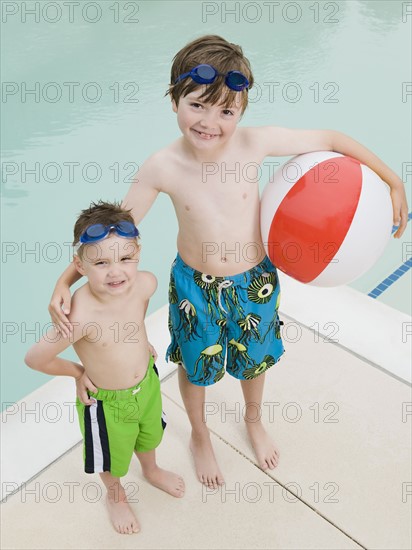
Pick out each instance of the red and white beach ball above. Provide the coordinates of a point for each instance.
(325, 218)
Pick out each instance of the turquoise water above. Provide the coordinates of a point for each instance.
(336, 65)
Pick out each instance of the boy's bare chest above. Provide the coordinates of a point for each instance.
(214, 188)
(106, 329)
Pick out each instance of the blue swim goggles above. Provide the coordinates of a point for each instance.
(206, 74)
(98, 231)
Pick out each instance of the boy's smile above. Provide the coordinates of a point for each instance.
(205, 135)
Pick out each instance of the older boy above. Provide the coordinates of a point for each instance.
(218, 215)
(123, 412)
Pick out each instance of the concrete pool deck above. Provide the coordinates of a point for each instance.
(343, 428)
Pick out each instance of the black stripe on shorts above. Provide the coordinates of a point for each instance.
(104, 439)
(88, 442)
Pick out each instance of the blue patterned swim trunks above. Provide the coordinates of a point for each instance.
(232, 319)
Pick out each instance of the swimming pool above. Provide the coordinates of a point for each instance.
(83, 107)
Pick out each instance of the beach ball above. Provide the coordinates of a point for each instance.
(325, 218)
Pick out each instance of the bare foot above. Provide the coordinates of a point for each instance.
(167, 481)
(266, 452)
(207, 470)
(122, 516)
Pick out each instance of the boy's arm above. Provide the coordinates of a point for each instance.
(42, 356)
(286, 141)
(61, 299)
(144, 188)
(70, 275)
(150, 286)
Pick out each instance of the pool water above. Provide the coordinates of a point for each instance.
(83, 106)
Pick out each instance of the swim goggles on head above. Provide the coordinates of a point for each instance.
(206, 74)
(98, 231)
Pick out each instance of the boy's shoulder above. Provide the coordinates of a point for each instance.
(155, 170)
(81, 303)
(251, 134)
(81, 308)
(271, 140)
(159, 159)
(146, 283)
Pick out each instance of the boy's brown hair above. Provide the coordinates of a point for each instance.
(223, 56)
(106, 213)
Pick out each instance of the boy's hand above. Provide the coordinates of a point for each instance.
(83, 383)
(58, 308)
(400, 209)
(153, 352)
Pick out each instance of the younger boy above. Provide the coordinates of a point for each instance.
(123, 411)
(224, 292)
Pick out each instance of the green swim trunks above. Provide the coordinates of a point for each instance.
(120, 422)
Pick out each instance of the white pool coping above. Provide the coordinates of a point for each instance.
(361, 325)
(364, 326)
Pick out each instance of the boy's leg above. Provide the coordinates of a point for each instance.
(193, 397)
(193, 307)
(265, 450)
(105, 420)
(162, 479)
(121, 515)
(152, 424)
